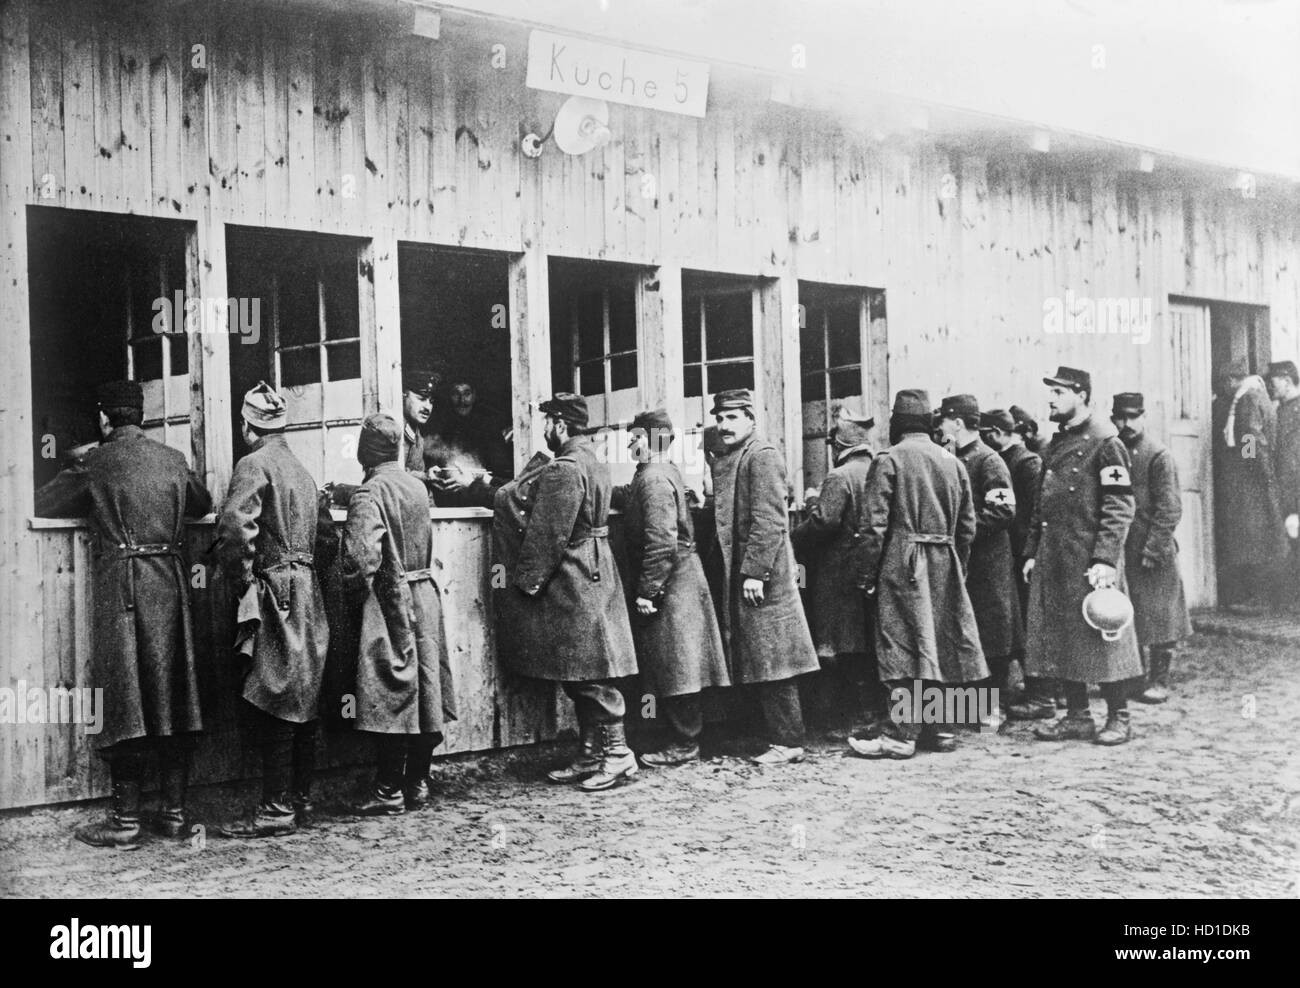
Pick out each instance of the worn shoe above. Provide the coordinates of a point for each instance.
(674, 754)
(1117, 729)
(170, 823)
(778, 755)
(303, 808)
(417, 794)
(381, 800)
(120, 828)
(268, 820)
(616, 760)
(585, 763)
(1032, 710)
(1071, 727)
(1152, 693)
(939, 742)
(882, 746)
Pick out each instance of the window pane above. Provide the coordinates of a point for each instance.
(723, 377)
(846, 383)
(622, 319)
(729, 321)
(180, 353)
(591, 326)
(812, 354)
(344, 361)
(813, 385)
(845, 339)
(342, 316)
(300, 367)
(691, 331)
(692, 380)
(148, 359)
(299, 312)
(591, 378)
(623, 372)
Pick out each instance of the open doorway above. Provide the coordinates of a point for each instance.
(1221, 485)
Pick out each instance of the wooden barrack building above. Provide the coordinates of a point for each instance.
(356, 170)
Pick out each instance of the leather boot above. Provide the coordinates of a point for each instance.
(271, 818)
(586, 762)
(1037, 703)
(121, 827)
(1074, 726)
(1156, 689)
(175, 771)
(419, 756)
(1117, 729)
(304, 771)
(616, 760)
(381, 800)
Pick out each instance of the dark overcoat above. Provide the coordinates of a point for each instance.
(1249, 525)
(137, 493)
(1085, 508)
(1026, 468)
(916, 541)
(571, 622)
(826, 543)
(1159, 606)
(267, 538)
(769, 642)
(989, 577)
(403, 682)
(1287, 471)
(678, 648)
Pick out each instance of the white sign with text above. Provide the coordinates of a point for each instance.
(580, 67)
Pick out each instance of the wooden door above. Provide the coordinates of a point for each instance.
(1189, 439)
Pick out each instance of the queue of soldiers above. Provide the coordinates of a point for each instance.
(944, 558)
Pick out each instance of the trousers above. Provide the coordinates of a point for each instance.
(596, 702)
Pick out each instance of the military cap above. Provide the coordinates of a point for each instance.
(997, 418)
(851, 431)
(959, 406)
(264, 408)
(1284, 368)
(568, 407)
(1072, 378)
(734, 398)
(912, 401)
(380, 437)
(655, 420)
(420, 380)
(1127, 403)
(120, 394)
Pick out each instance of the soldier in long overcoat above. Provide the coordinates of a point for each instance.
(988, 575)
(571, 619)
(1076, 545)
(1250, 533)
(998, 427)
(1151, 554)
(678, 645)
(763, 625)
(271, 530)
(404, 692)
(137, 494)
(1285, 381)
(916, 541)
(826, 543)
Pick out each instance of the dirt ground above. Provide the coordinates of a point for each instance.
(1204, 802)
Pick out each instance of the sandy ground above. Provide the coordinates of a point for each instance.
(1204, 802)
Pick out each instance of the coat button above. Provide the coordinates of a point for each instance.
(1071, 488)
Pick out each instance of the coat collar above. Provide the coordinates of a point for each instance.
(844, 455)
(125, 433)
(573, 444)
(269, 442)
